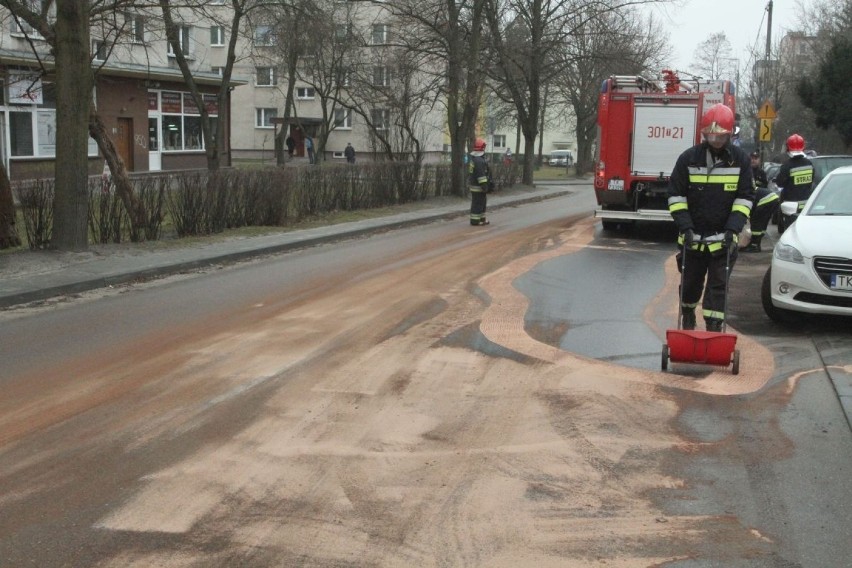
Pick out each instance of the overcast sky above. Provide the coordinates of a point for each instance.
(743, 21)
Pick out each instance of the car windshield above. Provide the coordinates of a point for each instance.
(834, 197)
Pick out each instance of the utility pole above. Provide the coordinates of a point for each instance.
(762, 86)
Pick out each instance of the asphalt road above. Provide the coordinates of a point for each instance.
(436, 396)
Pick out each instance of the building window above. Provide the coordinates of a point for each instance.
(343, 119)
(218, 70)
(19, 26)
(181, 120)
(264, 116)
(265, 77)
(217, 36)
(381, 76)
(32, 127)
(499, 140)
(263, 36)
(183, 41)
(343, 32)
(99, 50)
(380, 34)
(135, 27)
(380, 118)
(305, 93)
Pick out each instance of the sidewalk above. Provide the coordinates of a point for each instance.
(33, 276)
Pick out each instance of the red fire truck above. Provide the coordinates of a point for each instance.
(643, 126)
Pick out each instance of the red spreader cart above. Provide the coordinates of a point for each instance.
(702, 347)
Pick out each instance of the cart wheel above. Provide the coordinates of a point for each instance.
(736, 366)
(665, 362)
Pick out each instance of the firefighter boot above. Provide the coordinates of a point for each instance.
(688, 319)
(754, 245)
(713, 324)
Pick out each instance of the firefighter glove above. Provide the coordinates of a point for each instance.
(688, 238)
(729, 238)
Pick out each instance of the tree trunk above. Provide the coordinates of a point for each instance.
(8, 232)
(74, 80)
(123, 188)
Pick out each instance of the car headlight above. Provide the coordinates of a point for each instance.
(788, 253)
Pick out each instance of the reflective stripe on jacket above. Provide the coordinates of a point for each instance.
(711, 195)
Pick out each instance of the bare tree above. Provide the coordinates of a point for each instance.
(69, 57)
(613, 43)
(711, 59)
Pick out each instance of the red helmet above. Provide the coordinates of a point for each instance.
(719, 119)
(479, 145)
(795, 145)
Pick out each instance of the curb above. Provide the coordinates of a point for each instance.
(176, 267)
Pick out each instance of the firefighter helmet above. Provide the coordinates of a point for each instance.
(795, 145)
(479, 145)
(719, 119)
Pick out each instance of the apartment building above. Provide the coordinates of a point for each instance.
(140, 95)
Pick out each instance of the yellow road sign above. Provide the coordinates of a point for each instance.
(767, 111)
(765, 129)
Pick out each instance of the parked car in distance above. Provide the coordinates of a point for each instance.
(772, 169)
(562, 158)
(811, 267)
(824, 164)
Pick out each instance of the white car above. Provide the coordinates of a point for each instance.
(811, 268)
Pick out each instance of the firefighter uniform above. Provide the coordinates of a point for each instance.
(479, 184)
(795, 178)
(765, 203)
(710, 194)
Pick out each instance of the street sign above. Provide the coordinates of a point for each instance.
(767, 111)
(765, 129)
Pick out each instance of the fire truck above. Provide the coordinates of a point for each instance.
(643, 126)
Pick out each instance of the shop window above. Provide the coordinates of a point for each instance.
(21, 133)
(172, 132)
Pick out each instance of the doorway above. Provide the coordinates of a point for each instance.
(124, 142)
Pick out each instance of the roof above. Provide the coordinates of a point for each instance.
(140, 71)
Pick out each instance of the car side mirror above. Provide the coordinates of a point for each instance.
(789, 207)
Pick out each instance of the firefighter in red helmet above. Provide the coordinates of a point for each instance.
(479, 182)
(795, 178)
(710, 198)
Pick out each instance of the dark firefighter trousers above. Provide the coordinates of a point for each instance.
(765, 204)
(705, 267)
(478, 201)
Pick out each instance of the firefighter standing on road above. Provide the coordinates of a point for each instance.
(710, 198)
(795, 178)
(479, 182)
(765, 203)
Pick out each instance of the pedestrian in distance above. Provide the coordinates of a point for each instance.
(765, 204)
(507, 157)
(349, 153)
(711, 192)
(309, 147)
(291, 145)
(480, 182)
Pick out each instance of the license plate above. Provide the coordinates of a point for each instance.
(841, 282)
(615, 185)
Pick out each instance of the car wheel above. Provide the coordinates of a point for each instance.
(778, 315)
